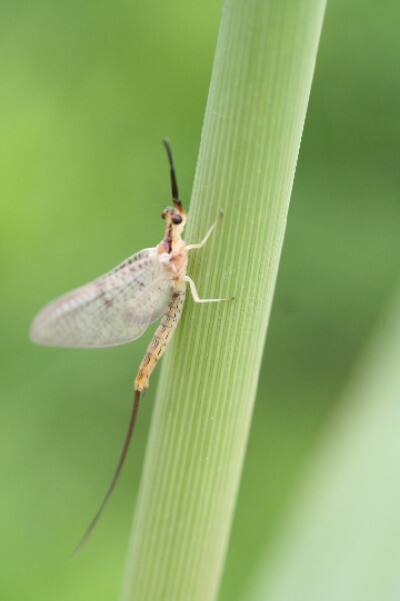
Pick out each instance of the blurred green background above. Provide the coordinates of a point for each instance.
(87, 92)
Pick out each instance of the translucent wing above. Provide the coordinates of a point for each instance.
(114, 309)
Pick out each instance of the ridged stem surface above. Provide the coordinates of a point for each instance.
(257, 103)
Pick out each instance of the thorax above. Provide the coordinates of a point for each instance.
(175, 256)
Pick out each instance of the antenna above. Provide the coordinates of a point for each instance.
(174, 185)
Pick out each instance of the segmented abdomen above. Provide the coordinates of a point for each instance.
(161, 337)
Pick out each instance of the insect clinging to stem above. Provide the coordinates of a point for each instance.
(119, 306)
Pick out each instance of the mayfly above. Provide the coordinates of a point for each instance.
(119, 306)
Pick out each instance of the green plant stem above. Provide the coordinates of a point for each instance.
(257, 103)
(340, 539)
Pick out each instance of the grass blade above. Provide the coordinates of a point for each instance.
(341, 538)
(255, 114)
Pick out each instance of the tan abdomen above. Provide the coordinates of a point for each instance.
(161, 337)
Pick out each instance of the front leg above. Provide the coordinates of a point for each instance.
(195, 294)
(206, 237)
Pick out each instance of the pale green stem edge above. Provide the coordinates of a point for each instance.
(340, 537)
(257, 103)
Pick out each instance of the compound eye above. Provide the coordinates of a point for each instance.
(177, 219)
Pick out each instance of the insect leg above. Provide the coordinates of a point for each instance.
(195, 294)
(206, 237)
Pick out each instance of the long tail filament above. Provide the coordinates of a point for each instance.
(128, 437)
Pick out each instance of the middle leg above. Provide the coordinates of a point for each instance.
(196, 297)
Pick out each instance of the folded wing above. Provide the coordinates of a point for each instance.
(113, 309)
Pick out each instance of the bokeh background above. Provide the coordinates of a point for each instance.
(87, 92)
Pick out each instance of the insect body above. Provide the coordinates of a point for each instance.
(119, 306)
